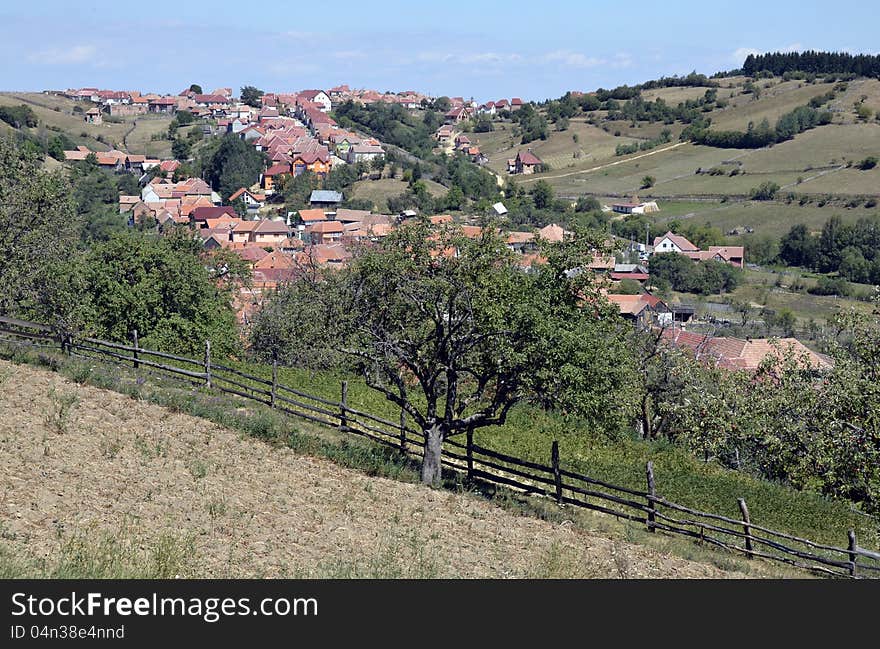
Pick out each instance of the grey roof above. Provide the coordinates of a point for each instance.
(325, 196)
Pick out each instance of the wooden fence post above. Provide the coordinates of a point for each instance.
(343, 419)
(134, 339)
(852, 552)
(652, 493)
(403, 431)
(747, 527)
(274, 380)
(557, 475)
(208, 363)
(470, 454)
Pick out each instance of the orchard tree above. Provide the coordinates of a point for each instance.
(457, 340)
(39, 223)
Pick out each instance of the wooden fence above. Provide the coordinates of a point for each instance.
(478, 463)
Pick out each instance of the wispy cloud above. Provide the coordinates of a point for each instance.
(349, 55)
(574, 59)
(469, 58)
(76, 54)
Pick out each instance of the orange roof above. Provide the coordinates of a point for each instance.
(628, 304)
(275, 260)
(310, 216)
(325, 227)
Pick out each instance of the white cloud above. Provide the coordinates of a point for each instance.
(574, 59)
(64, 56)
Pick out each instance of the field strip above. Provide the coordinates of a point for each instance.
(818, 175)
(605, 166)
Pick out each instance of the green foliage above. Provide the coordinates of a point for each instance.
(867, 163)
(181, 149)
(533, 124)
(234, 164)
(182, 118)
(391, 123)
(542, 194)
(628, 287)
(685, 275)
(297, 190)
(648, 182)
(766, 191)
(471, 331)
(19, 116)
(484, 125)
(251, 96)
(39, 225)
(814, 430)
(58, 144)
(159, 286)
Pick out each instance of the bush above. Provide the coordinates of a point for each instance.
(830, 286)
(868, 163)
(766, 191)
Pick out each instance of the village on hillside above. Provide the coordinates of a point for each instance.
(296, 133)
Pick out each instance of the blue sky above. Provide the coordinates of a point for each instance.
(484, 49)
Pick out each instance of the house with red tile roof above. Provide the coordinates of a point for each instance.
(324, 231)
(251, 199)
(318, 97)
(737, 354)
(669, 242)
(526, 163)
(643, 309)
(200, 215)
(270, 232)
(270, 178)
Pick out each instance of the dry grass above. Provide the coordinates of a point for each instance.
(379, 191)
(202, 501)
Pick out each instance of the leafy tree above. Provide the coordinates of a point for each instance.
(542, 194)
(232, 165)
(587, 204)
(297, 190)
(648, 182)
(58, 144)
(251, 96)
(442, 104)
(703, 277)
(457, 341)
(181, 149)
(766, 191)
(799, 247)
(39, 225)
(160, 287)
(196, 88)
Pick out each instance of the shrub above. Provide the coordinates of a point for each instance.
(766, 191)
(868, 163)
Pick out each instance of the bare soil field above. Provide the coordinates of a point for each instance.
(77, 461)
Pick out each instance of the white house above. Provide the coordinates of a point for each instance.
(318, 97)
(673, 243)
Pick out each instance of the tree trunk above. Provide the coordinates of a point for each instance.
(431, 467)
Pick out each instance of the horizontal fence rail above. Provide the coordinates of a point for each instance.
(566, 487)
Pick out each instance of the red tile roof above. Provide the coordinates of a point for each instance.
(528, 158)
